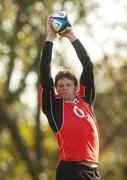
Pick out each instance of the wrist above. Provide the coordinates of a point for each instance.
(72, 37)
(50, 38)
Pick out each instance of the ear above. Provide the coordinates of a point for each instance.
(55, 91)
(76, 89)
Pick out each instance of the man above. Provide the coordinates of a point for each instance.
(69, 110)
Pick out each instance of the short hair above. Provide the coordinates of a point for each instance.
(66, 74)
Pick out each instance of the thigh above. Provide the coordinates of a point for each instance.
(74, 171)
(66, 171)
(89, 174)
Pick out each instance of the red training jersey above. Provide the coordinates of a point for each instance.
(78, 137)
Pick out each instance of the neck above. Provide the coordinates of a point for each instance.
(74, 100)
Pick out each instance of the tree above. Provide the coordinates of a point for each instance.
(25, 142)
(22, 37)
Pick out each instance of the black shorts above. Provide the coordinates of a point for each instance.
(73, 171)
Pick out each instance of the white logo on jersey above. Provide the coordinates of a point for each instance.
(79, 112)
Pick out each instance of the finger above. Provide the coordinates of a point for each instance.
(49, 19)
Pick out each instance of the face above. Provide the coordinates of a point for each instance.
(66, 89)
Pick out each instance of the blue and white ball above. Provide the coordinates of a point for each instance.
(60, 23)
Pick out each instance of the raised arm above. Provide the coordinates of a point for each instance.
(46, 81)
(87, 77)
(46, 56)
(45, 70)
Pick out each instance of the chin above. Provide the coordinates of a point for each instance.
(66, 98)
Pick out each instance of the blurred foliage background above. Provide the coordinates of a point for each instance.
(28, 150)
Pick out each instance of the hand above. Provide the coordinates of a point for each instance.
(51, 35)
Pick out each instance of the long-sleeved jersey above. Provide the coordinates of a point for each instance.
(73, 122)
